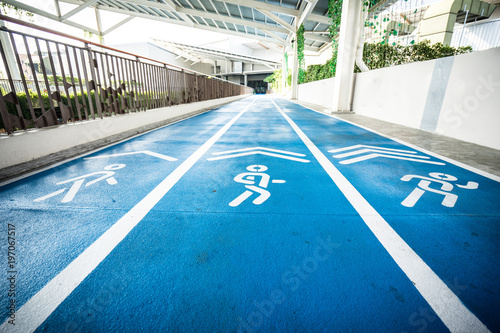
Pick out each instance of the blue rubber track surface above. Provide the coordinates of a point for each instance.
(210, 257)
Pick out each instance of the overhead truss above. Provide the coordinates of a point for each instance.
(269, 23)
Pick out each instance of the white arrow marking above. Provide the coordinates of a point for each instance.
(258, 148)
(398, 154)
(256, 151)
(362, 151)
(373, 147)
(369, 156)
(147, 152)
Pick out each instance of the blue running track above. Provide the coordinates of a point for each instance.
(260, 216)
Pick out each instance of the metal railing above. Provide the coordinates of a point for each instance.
(49, 82)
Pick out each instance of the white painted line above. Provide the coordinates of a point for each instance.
(258, 148)
(51, 166)
(259, 153)
(53, 194)
(373, 147)
(147, 152)
(369, 156)
(37, 309)
(428, 152)
(362, 151)
(443, 301)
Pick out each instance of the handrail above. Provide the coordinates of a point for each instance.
(63, 81)
(62, 34)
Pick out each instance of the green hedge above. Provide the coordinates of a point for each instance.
(146, 97)
(383, 55)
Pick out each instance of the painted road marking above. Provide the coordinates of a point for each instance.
(258, 151)
(107, 175)
(425, 151)
(379, 152)
(449, 200)
(37, 309)
(443, 301)
(252, 187)
(147, 152)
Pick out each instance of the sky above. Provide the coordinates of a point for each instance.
(136, 30)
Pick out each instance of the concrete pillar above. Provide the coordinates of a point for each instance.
(284, 73)
(11, 60)
(99, 25)
(352, 11)
(295, 69)
(246, 80)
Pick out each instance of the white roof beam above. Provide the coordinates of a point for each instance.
(318, 38)
(311, 48)
(78, 9)
(273, 35)
(169, 5)
(194, 25)
(58, 8)
(119, 24)
(201, 14)
(319, 18)
(233, 20)
(263, 5)
(273, 47)
(306, 12)
(277, 19)
(49, 15)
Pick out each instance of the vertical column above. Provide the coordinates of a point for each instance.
(295, 68)
(246, 80)
(284, 71)
(349, 32)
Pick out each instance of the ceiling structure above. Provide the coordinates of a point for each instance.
(197, 54)
(271, 22)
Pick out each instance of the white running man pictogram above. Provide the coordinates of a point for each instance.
(78, 182)
(249, 178)
(449, 199)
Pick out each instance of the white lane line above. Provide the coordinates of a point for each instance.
(37, 309)
(147, 152)
(443, 301)
(410, 145)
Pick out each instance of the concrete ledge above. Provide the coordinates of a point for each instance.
(34, 149)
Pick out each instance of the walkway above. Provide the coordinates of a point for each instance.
(259, 216)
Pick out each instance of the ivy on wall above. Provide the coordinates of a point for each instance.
(334, 13)
(300, 53)
(385, 55)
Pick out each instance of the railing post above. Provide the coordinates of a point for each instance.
(94, 85)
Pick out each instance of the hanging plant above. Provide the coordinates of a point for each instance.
(7, 8)
(335, 14)
(300, 53)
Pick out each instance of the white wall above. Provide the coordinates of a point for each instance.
(318, 92)
(394, 94)
(471, 105)
(454, 96)
(28, 145)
